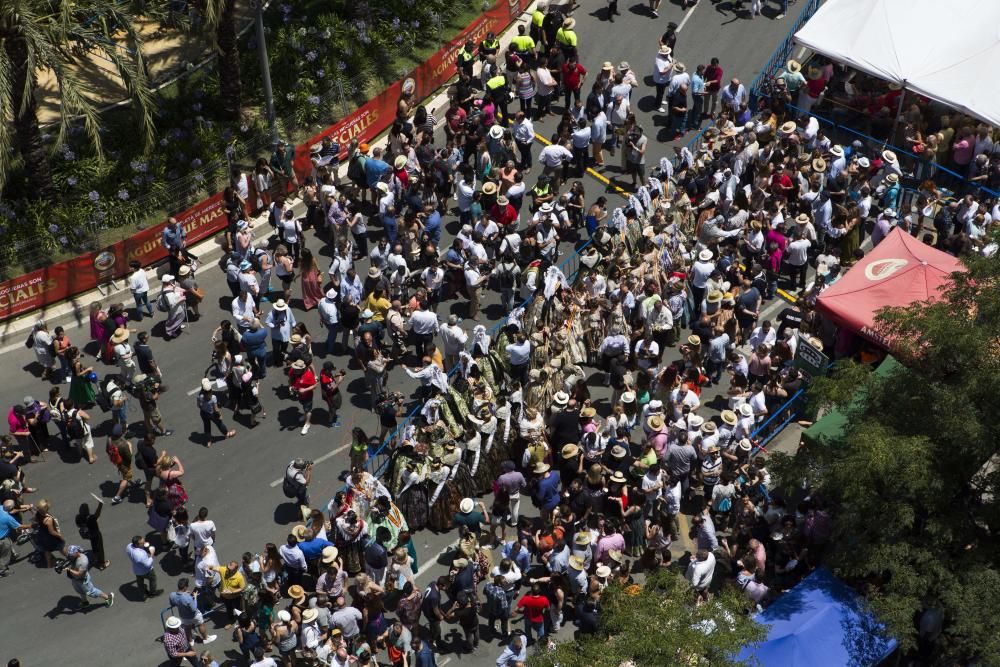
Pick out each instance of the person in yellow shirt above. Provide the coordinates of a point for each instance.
(523, 45)
(378, 304)
(537, 19)
(566, 37)
(231, 589)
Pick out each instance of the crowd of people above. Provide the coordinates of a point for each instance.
(593, 400)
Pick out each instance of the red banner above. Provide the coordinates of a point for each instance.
(62, 281)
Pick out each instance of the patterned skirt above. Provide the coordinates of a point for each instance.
(413, 504)
(441, 516)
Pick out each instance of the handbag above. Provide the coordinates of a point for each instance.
(198, 293)
(377, 365)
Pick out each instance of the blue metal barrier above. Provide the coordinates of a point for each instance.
(784, 50)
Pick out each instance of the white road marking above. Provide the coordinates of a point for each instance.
(687, 16)
(326, 456)
(194, 391)
(422, 570)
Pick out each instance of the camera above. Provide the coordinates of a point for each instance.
(62, 564)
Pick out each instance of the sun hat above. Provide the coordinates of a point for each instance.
(746, 410)
(617, 477)
(788, 128)
(489, 188)
(496, 132)
(794, 66)
(679, 67)
(331, 294)
(628, 397)
(570, 450)
(694, 340)
(705, 255)
(603, 571)
(729, 417)
(296, 592)
(694, 422)
(173, 623)
(541, 468)
(185, 270)
(299, 532)
(664, 51)
(588, 412)
(329, 555)
(745, 445)
(120, 335)
(295, 339)
(819, 165)
(560, 398)
(399, 162)
(577, 562)
(582, 539)
(889, 157)
(708, 427)
(310, 615)
(284, 616)
(655, 422)
(280, 305)
(618, 452)
(167, 278)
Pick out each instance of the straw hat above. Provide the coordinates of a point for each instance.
(496, 132)
(617, 477)
(618, 452)
(582, 539)
(616, 555)
(715, 296)
(374, 272)
(295, 339)
(729, 417)
(628, 397)
(889, 157)
(310, 615)
(206, 384)
(655, 422)
(284, 616)
(694, 340)
(603, 572)
(588, 412)
(819, 165)
(541, 468)
(119, 336)
(864, 162)
(837, 150)
(280, 305)
(794, 66)
(167, 279)
(745, 445)
(399, 162)
(329, 555)
(664, 51)
(569, 23)
(570, 450)
(173, 623)
(705, 255)
(788, 128)
(502, 201)
(708, 427)
(299, 365)
(299, 532)
(608, 67)
(296, 592)
(546, 207)
(746, 410)
(893, 178)
(577, 562)
(467, 505)
(680, 68)
(802, 219)
(694, 422)
(560, 398)
(331, 294)
(623, 65)
(185, 270)
(382, 187)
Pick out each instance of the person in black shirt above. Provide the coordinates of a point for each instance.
(586, 621)
(564, 426)
(91, 530)
(790, 318)
(430, 607)
(617, 458)
(145, 359)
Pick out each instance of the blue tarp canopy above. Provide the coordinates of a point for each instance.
(819, 623)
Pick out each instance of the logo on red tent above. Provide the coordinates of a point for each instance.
(883, 268)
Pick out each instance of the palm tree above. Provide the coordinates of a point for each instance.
(36, 35)
(220, 16)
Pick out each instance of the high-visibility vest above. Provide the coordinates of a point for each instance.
(490, 46)
(566, 37)
(523, 43)
(539, 191)
(496, 82)
(464, 56)
(537, 17)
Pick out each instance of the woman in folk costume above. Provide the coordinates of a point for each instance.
(484, 463)
(536, 392)
(364, 488)
(452, 421)
(498, 447)
(441, 501)
(460, 476)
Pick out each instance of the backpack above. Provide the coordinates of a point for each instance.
(114, 454)
(356, 168)
(162, 304)
(74, 425)
(289, 485)
(536, 453)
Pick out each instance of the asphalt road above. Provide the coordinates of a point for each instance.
(234, 478)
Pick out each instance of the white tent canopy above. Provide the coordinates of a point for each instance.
(948, 50)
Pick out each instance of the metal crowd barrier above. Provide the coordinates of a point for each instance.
(784, 50)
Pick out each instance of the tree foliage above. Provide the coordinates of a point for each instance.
(912, 482)
(657, 624)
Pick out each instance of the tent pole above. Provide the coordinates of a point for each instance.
(899, 112)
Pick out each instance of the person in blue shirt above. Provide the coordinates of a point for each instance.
(255, 343)
(375, 168)
(697, 98)
(547, 492)
(432, 226)
(423, 653)
(187, 610)
(9, 527)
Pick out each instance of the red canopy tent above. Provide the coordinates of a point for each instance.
(897, 272)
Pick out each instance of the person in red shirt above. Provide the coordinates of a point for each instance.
(302, 380)
(713, 84)
(534, 605)
(330, 379)
(502, 212)
(455, 118)
(573, 74)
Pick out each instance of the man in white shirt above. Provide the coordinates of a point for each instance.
(330, 318)
(423, 325)
(244, 311)
(700, 572)
(519, 353)
(433, 279)
(474, 280)
(552, 158)
(797, 258)
(765, 334)
(202, 530)
(523, 132)
(701, 270)
(453, 340)
(139, 285)
(733, 95)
